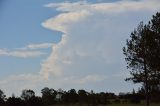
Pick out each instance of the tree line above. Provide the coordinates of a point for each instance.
(52, 97)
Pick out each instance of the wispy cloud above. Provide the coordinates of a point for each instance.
(27, 51)
(91, 79)
(21, 54)
(37, 46)
(119, 6)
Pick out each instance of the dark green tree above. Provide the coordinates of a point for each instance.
(27, 94)
(14, 101)
(2, 98)
(73, 96)
(83, 96)
(142, 55)
(155, 57)
(2, 95)
(137, 54)
(48, 96)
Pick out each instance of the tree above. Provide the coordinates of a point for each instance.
(142, 55)
(13, 101)
(27, 94)
(2, 95)
(155, 57)
(48, 96)
(82, 96)
(102, 98)
(34, 101)
(73, 96)
(136, 54)
(2, 98)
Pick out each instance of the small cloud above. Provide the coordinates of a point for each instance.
(40, 46)
(92, 79)
(25, 54)
(20, 53)
(27, 51)
(3, 52)
(37, 46)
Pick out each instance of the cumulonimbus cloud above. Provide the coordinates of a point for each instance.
(85, 25)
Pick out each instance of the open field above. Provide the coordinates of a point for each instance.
(132, 105)
(109, 105)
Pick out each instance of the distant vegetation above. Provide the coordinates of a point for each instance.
(52, 97)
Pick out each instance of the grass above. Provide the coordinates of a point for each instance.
(120, 104)
(132, 105)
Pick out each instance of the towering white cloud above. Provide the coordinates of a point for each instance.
(93, 34)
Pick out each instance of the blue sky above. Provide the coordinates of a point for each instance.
(67, 44)
(21, 25)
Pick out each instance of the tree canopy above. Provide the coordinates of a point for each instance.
(142, 53)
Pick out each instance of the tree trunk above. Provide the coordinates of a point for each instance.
(146, 84)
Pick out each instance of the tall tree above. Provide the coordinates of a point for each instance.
(142, 55)
(155, 58)
(137, 54)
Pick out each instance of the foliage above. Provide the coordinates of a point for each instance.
(27, 94)
(74, 98)
(142, 55)
(48, 96)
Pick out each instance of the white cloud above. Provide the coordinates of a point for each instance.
(92, 78)
(119, 6)
(93, 35)
(28, 51)
(92, 41)
(21, 54)
(37, 46)
(60, 22)
(90, 32)
(3, 52)
(20, 82)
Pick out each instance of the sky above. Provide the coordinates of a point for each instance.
(68, 43)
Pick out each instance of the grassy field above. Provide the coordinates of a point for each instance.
(109, 105)
(132, 105)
